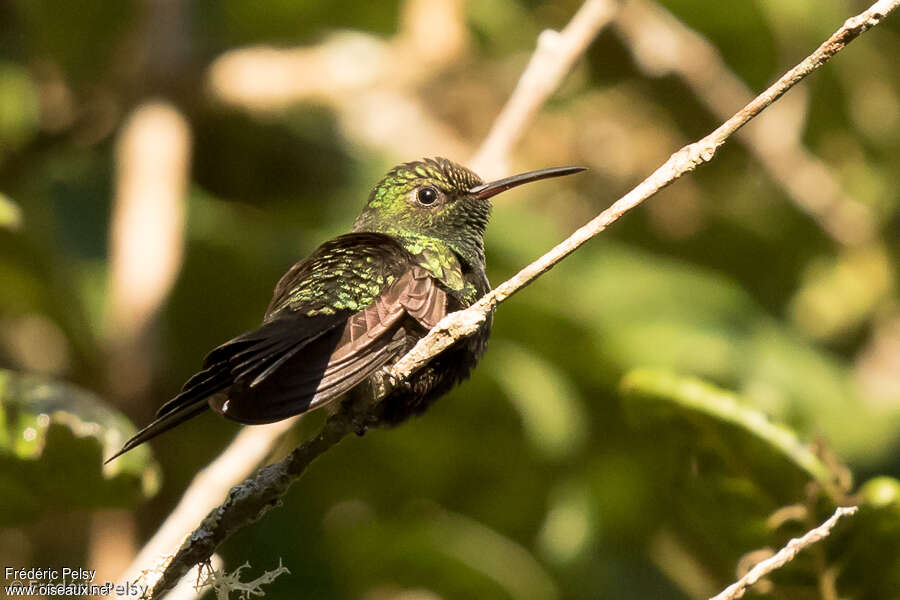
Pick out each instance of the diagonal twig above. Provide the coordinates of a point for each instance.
(784, 556)
(661, 44)
(248, 501)
(551, 61)
(464, 323)
(253, 444)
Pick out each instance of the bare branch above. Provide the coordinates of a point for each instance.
(146, 241)
(784, 556)
(253, 444)
(248, 501)
(239, 459)
(661, 44)
(552, 60)
(464, 323)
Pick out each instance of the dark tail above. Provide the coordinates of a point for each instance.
(161, 425)
(190, 402)
(264, 349)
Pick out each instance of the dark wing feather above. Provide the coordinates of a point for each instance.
(249, 354)
(338, 361)
(334, 319)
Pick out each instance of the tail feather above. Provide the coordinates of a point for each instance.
(256, 353)
(163, 424)
(200, 386)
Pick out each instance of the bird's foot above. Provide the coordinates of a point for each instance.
(383, 383)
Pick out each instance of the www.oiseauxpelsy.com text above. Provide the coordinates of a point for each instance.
(64, 581)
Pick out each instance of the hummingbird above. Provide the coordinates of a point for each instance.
(358, 304)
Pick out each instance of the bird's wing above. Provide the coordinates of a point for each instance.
(334, 319)
(247, 355)
(252, 355)
(329, 366)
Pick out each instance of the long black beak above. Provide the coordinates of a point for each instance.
(486, 190)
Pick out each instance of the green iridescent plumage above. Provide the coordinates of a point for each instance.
(336, 278)
(357, 304)
(442, 233)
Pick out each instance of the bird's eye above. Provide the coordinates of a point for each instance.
(427, 196)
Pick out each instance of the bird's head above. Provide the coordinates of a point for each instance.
(438, 199)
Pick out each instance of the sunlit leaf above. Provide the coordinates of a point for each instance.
(645, 310)
(871, 551)
(768, 452)
(53, 437)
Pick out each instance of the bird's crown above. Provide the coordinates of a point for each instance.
(440, 201)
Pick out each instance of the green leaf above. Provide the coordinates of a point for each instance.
(53, 437)
(647, 310)
(724, 470)
(747, 466)
(871, 561)
(769, 453)
(882, 493)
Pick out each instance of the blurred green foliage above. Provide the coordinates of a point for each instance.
(52, 440)
(538, 478)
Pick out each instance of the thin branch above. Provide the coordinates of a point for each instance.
(661, 44)
(253, 444)
(466, 322)
(784, 556)
(234, 464)
(146, 244)
(248, 501)
(552, 60)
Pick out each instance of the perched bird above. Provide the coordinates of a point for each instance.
(359, 303)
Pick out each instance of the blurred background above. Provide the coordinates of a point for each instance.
(163, 162)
